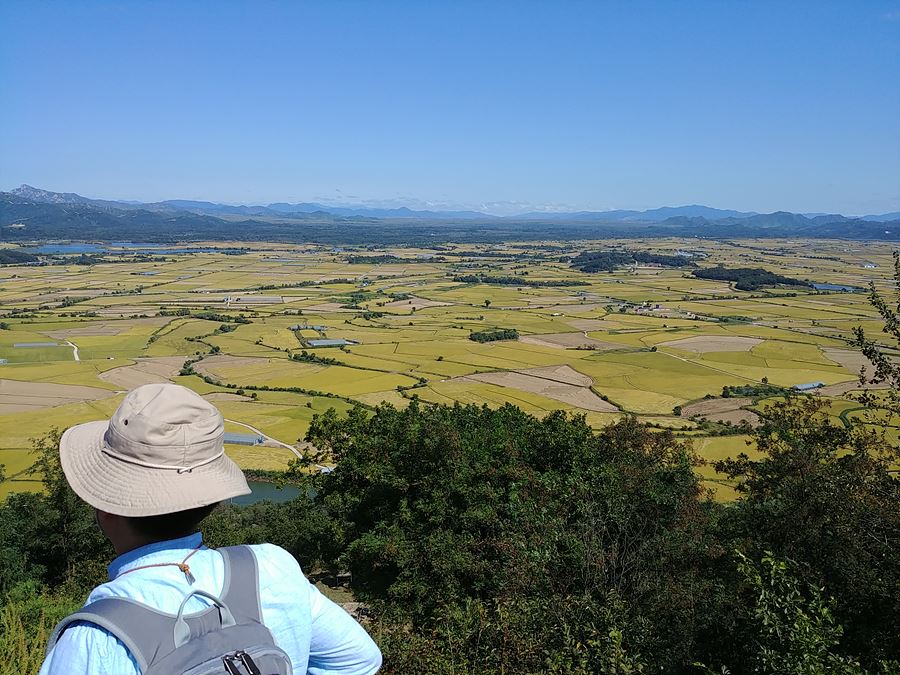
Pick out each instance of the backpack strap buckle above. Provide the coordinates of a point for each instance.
(242, 658)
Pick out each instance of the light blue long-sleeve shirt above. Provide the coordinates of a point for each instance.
(319, 636)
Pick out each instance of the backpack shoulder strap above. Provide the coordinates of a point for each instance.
(240, 591)
(144, 631)
(148, 633)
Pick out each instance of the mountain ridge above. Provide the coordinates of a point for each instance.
(276, 209)
(29, 213)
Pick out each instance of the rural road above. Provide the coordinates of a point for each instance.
(74, 350)
(276, 441)
(267, 437)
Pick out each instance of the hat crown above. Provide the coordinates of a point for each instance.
(165, 426)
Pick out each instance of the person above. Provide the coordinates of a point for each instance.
(152, 473)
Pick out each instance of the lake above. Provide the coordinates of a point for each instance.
(124, 247)
(836, 287)
(54, 249)
(267, 492)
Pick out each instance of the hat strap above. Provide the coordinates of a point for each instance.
(150, 465)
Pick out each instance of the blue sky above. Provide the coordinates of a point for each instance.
(502, 106)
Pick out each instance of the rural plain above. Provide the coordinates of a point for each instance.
(274, 334)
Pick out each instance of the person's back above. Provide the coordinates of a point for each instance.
(162, 559)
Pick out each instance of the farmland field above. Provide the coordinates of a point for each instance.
(653, 342)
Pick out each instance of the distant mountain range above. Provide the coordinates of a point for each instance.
(28, 213)
(278, 209)
(651, 215)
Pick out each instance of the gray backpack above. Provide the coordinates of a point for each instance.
(227, 638)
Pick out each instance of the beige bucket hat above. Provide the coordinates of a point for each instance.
(163, 451)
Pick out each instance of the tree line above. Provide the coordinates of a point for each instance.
(494, 334)
(499, 280)
(748, 278)
(609, 261)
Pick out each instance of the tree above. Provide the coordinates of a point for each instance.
(539, 527)
(796, 630)
(52, 537)
(886, 367)
(825, 496)
(487, 302)
(792, 626)
(72, 546)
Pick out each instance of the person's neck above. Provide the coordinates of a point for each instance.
(123, 547)
(128, 542)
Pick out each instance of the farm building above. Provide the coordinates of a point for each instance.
(809, 386)
(330, 343)
(244, 439)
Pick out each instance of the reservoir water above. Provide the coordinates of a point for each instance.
(123, 247)
(836, 287)
(267, 492)
(54, 249)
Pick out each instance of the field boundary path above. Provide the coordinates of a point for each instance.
(74, 349)
(277, 442)
(267, 437)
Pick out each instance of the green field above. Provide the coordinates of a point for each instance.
(646, 340)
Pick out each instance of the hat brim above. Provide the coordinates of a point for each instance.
(126, 489)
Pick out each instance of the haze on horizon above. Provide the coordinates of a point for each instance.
(502, 107)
